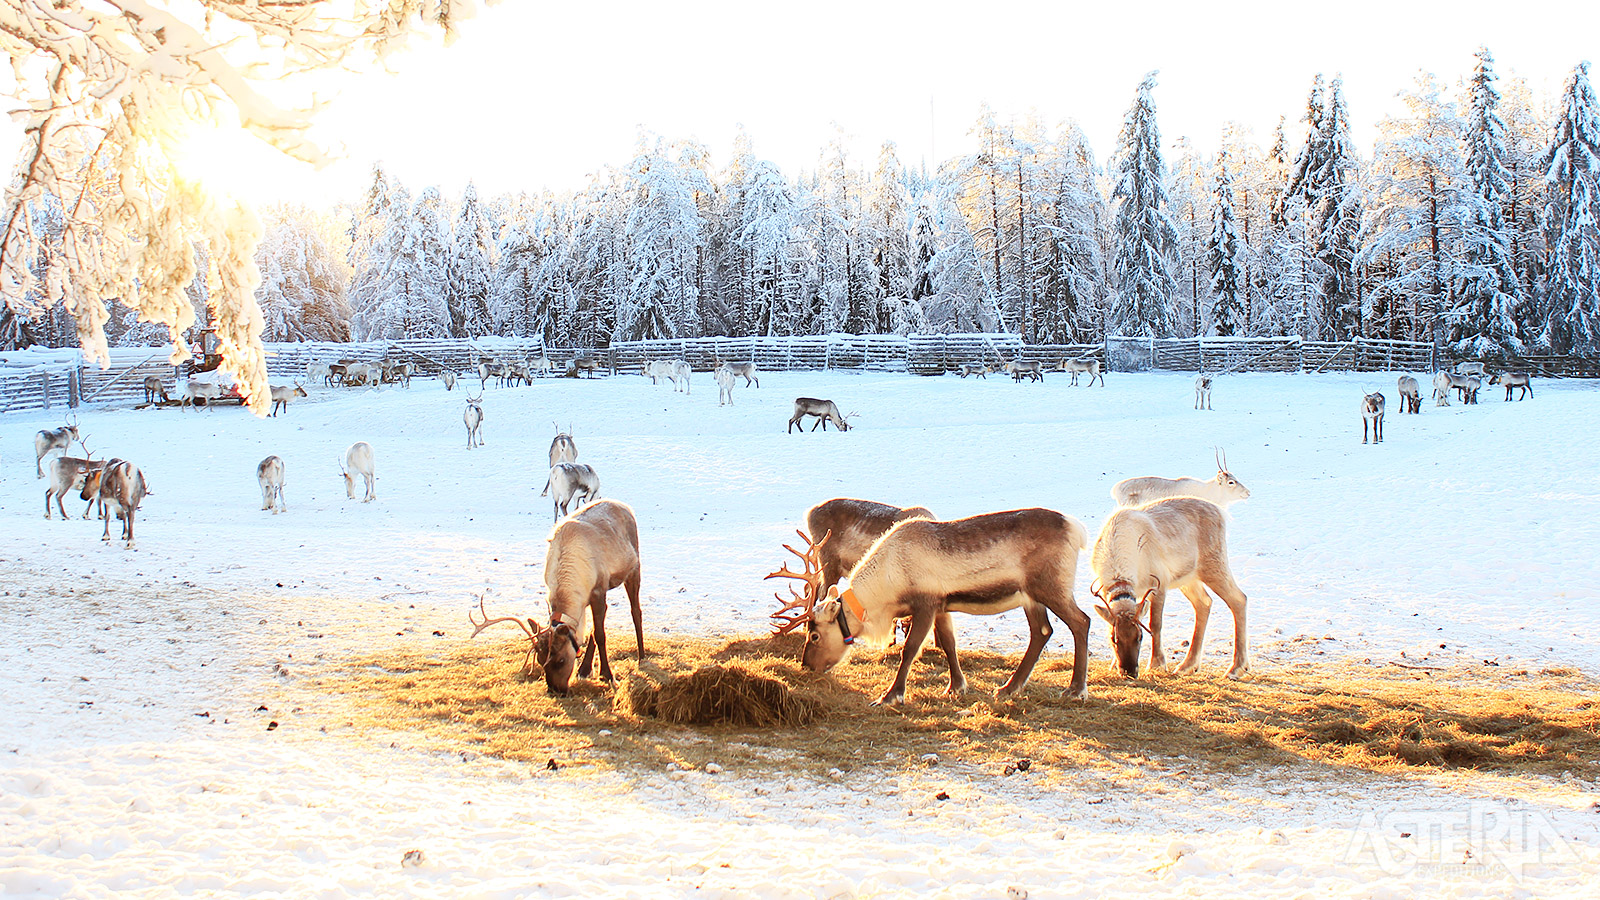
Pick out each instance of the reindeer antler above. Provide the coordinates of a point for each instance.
(529, 627)
(800, 604)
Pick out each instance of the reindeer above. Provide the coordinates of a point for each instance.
(202, 393)
(401, 372)
(1469, 391)
(984, 565)
(569, 480)
(979, 369)
(517, 371)
(121, 488)
(1372, 411)
(825, 411)
(69, 473)
(585, 367)
(1515, 380)
(544, 365)
(842, 530)
(449, 379)
(1025, 368)
(338, 369)
(269, 474)
(473, 417)
(1141, 553)
(590, 554)
(657, 369)
(1410, 395)
(1223, 490)
(154, 387)
(680, 375)
(745, 370)
(361, 374)
(1444, 382)
(1080, 366)
(282, 394)
(723, 376)
(358, 461)
(58, 439)
(316, 371)
(1202, 391)
(1472, 368)
(562, 447)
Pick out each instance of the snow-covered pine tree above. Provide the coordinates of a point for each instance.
(470, 269)
(1222, 258)
(767, 223)
(1485, 287)
(962, 298)
(663, 241)
(302, 283)
(1324, 176)
(1146, 238)
(1071, 267)
(887, 227)
(1571, 290)
(1190, 193)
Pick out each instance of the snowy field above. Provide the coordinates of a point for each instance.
(1466, 537)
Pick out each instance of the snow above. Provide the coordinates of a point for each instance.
(135, 759)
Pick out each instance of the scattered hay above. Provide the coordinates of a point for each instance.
(694, 701)
(720, 695)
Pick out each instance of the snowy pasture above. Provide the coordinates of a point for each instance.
(135, 759)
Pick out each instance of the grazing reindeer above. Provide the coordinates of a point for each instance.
(724, 376)
(60, 439)
(1469, 391)
(590, 554)
(1515, 380)
(1372, 412)
(269, 474)
(449, 379)
(1081, 366)
(979, 369)
(1143, 552)
(567, 481)
(199, 393)
(121, 488)
(825, 410)
(358, 461)
(337, 371)
(657, 369)
(984, 565)
(68, 473)
(1472, 368)
(1025, 368)
(1410, 395)
(745, 370)
(680, 375)
(153, 388)
(281, 395)
(473, 417)
(1202, 391)
(842, 531)
(1444, 382)
(316, 371)
(1223, 490)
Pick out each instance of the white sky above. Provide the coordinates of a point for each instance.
(538, 95)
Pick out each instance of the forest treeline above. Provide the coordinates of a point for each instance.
(1475, 223)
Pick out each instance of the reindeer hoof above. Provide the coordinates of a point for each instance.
(956, 690)
(890, 699)
(1187, 668)
(1238, 673)
(1078, 693)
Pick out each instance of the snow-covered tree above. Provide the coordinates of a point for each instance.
(1146, 238)
(301, 294)
(1222, 259)
(887, 228)
(1324, 176)
(470, 269)
(109, 94)
(1571, 290)
(663, 238)
(1486, 290)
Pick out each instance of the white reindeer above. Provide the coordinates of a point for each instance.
(657, 369)
(449, 379)
(282, 394)
(568, 482)
(745, 370)
(358, 461)
(1142, 553)
(680, 375)
(1372, 413)
(54, 439)
(979, 369)
(68, 473)
(1025, 368)
(1410, 391)
(1081, 366)
(317, 371)
(1202, 391)
(1223, 489)
(724, 376)
(1472, 368)
(1515, 380)
(199, 393)
(590, 554)
(472, 416)
(269, 474)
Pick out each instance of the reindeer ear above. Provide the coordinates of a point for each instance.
(828, 610)
(1105, 614)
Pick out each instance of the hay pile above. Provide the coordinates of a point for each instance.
(720, 694)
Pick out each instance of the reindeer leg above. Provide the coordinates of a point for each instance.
(1202, 612)
(921, 624)
(597, 638)
(1061, 603)
(1039, 632)
(1222, 582)
(631, 585)
(1158, 655)
(944, 635)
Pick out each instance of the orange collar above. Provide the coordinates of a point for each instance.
(849, 598)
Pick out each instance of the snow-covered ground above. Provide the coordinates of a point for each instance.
(1469, 527)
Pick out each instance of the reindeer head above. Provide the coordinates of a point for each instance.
(555, 649)
(349, 480)
(1225, 480)
(1125, 614)
(826, 643)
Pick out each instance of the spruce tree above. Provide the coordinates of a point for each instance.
(1146, 238)
(1222, 256)
(1483, 322)
(1572, 222)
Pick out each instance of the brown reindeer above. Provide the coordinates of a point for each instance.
(842, 530)
(1372, 411)
(1143, 552)
(982, 565)
(825, 411)
(1515, 380)
(1410, 395)
(121, 488)
(590, 553)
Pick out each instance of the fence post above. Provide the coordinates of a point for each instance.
(74, 387)
(44, 382)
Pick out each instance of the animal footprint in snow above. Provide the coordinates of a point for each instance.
(411, 858)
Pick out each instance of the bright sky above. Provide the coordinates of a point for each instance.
(538, 95)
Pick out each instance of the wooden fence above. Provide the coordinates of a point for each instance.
(1286, 354)
(41, 388)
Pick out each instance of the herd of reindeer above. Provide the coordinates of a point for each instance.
(866, 566)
